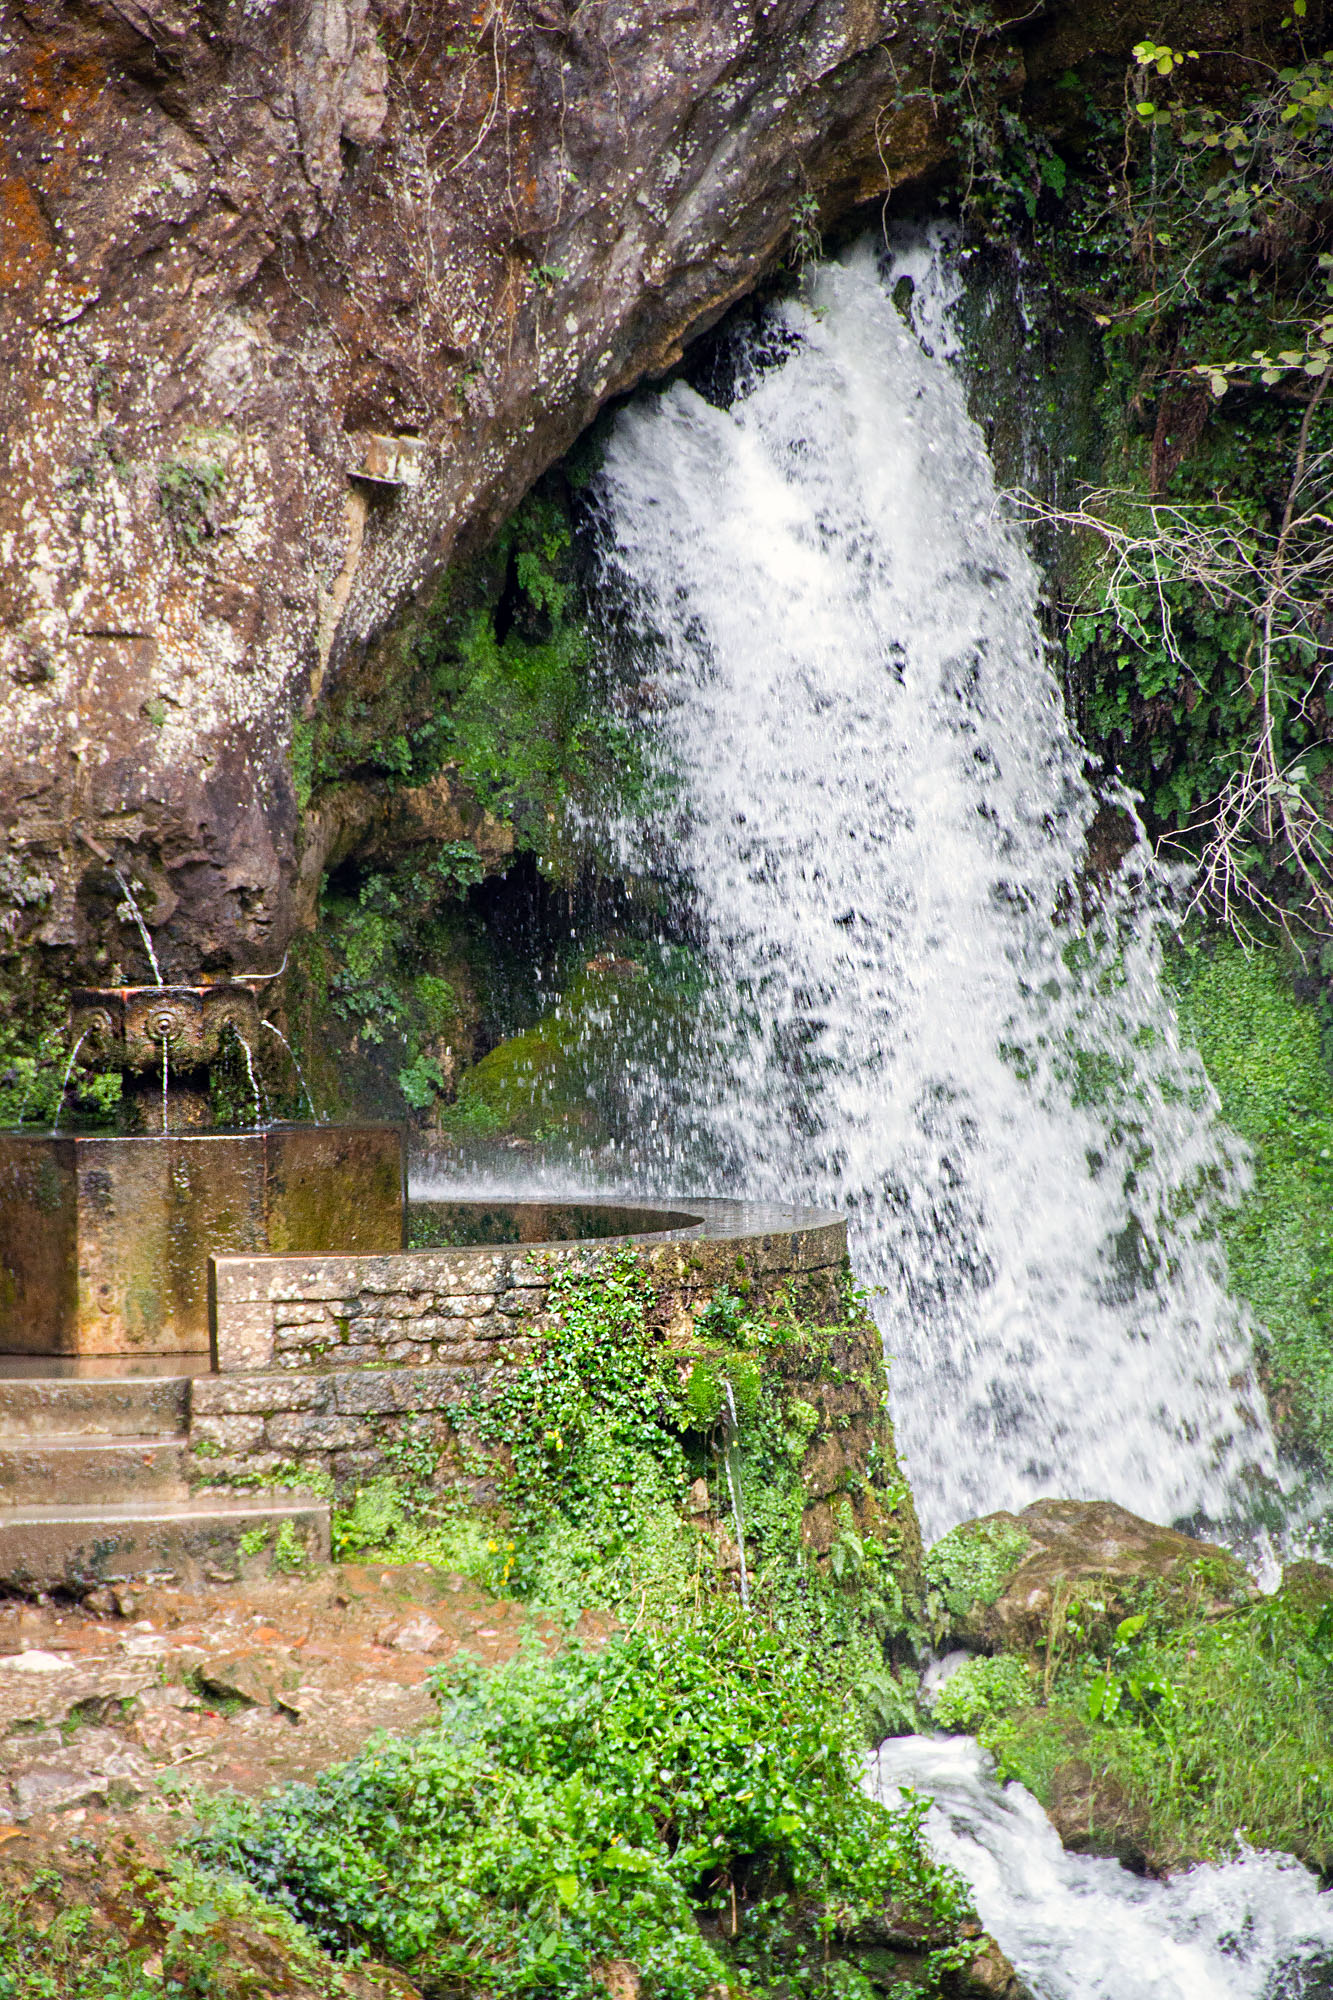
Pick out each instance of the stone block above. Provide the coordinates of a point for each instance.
(294, 1312)
(302, 1433)
(238, 1395)
(396, 1391)
(308, 1281)
(364, 1332)
(468, 1355)
(250, 1465)
(490, 1327)
(317, 1334)
(235, 1434)
(242, 1337)
(351, 1469)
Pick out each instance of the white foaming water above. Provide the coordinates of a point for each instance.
(1076, 1928)
(880, 816)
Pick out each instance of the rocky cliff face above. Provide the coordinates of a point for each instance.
(300, 295)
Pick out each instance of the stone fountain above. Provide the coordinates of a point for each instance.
(105, 1239)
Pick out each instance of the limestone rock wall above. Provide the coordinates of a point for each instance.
(299, 296)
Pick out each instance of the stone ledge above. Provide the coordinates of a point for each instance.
(409, 1305)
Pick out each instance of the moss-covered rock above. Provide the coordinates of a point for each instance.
(1004, 1582)
(1157, 1705)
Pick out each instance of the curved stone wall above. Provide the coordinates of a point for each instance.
(317, 1360)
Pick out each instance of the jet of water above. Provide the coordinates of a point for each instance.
(731, 1461)
(300, 1073)
(254, 1081)
(133, 908)
(64, 1086)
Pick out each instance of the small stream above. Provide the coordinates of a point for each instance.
(1078, 1928)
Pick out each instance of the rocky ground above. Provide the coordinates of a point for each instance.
(119, 1708)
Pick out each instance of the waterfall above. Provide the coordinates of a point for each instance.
(916, 1008)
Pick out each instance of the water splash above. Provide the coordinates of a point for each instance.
(132, 908)
(877, 821)
(731, 1461)
(300, 1073)
(64, 1086)
(1077, 1928)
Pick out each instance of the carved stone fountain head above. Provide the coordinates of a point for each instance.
(105, 1238)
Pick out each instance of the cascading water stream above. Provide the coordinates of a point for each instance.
(64, 1083)
(1077, 1928)
(131, 908)
(254, 1080)
(300, 1073)
(879, 814)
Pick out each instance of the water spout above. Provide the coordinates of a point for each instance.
(137, 914)
(730, 1460)
(305, 1087)
(69, 1071)
(166, 1081)
(254, 1081)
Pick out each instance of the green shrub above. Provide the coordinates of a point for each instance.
(574, 1811)
(979, 1690)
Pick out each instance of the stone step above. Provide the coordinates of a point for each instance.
(47, 1548)
(83, 1471)
(67, 1407)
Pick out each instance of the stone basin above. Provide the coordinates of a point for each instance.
(105, 1240)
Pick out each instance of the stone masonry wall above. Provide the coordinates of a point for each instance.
(321, 1360)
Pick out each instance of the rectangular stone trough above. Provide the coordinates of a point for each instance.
(105, 1241)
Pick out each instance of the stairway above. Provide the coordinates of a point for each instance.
(93, 1486)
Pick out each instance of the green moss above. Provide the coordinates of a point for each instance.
(704, 1394)
(528, 1087)
(1262, 1050)
(559, 1077)
(496, 679)
(971, 1565)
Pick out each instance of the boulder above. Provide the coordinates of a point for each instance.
(1001, 1582)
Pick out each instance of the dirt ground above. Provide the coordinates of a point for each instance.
(135, 1698)
(117, 1712)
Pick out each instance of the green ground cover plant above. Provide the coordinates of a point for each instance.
(163, 1928)
(1266, 1056)
(593, 1445)
(686, 1801)
(1193, 1735)
(65, 1956)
